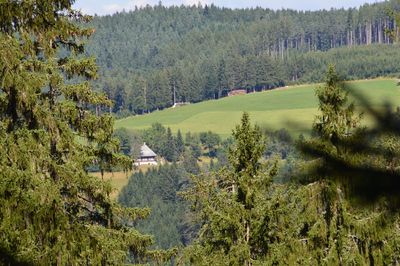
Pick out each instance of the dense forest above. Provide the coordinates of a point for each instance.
(153, 57)
(330, 198)
(160, 188)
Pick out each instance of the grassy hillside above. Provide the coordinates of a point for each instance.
(292, 107)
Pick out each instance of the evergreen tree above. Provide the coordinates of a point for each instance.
(222, 82)
(52, 212)
(229, 202)
(180, 146)
(210, 140)
(124, 140)
(157, 188)
(337, 118)
(190, 162)
(170, 150)
(336, 127)
(338, 148)
(155, 137)
(193, 143)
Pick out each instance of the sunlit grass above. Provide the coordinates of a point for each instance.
(293, 108)
(120, 179)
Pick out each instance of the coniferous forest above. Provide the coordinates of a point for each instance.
(255, 198)
(153, 57)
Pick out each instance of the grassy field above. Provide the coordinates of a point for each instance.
(291, 107)
(119, 179)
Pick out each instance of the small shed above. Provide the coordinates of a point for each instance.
(237, 92)
(147, 156)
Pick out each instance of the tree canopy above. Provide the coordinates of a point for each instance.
(246, 218)
(153, 57)
(51, 210)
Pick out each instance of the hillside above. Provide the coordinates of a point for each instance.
(150, 58)
(296, 105)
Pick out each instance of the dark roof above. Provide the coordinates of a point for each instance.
(145, 151)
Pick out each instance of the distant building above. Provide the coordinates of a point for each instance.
(179, 104)
(237, 92)
(147, 156)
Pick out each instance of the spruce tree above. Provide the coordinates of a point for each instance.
(170, 150)
(229, 203)
(337, 118)
(335, 231)
(180, 145)
(52, 212)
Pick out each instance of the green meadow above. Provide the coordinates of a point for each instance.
(292, 107)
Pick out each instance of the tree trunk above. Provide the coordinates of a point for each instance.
(247, 240)
(174, 94)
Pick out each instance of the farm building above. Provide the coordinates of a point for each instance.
(237, 92)
(147, 156)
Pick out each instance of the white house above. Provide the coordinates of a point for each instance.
(147, 156)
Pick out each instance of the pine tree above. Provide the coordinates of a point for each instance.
(52, 212)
